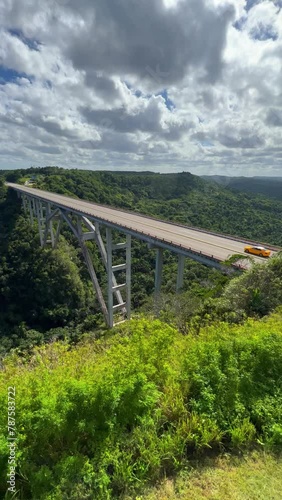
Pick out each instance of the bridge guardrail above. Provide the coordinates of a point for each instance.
(196, 252)
(193, 228)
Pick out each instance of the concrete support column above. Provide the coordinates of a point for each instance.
(42, 207)
(49, 224)
(128, 275)
(110, 276)
(34, 207)
(39, 219)
(180, 273)
(25, 206)
(103, 252)
(57, 235)
(158, 272)
(30, 210)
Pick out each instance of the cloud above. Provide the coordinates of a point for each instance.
(161, 84)
(264, 21)
(104, 86)
(241, 141)
(112, 142)
(231, 136)
(148, 41)
(50, 150)
(274, 117)
(151, 116)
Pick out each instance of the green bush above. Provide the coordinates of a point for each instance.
(256, 292)
(103, 418)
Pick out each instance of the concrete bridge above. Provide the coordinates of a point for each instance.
(85, 218)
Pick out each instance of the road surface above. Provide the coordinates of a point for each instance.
(220, 247)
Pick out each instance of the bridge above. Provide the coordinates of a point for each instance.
(84, 218)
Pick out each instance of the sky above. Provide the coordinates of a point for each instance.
(159, 85)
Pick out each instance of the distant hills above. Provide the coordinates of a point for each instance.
(267, 186)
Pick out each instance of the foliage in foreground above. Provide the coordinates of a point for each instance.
(104, 418)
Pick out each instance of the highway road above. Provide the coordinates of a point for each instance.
(210, 244)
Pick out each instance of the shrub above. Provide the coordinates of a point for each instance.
(103, 418)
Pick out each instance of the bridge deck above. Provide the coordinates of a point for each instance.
(168, 234)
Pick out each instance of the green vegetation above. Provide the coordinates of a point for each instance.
(255, 476)
(40, 290)
(107, 415)
(267, 186)
(104, 418)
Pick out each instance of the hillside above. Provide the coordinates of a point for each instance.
(267, 186)
(108, 414)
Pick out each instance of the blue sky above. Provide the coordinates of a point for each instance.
(32, 43)
(11, 75)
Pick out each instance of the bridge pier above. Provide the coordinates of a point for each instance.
(24, 199)
(180, 273)
(30, 207)
(85, 231)
(40, 220)
(87, 257)
(113, 287)
(158, 272)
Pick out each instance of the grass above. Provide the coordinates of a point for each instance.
(255, 476)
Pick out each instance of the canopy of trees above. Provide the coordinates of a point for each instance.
(42, 290)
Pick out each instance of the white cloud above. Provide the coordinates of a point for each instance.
(264, 19)
(158, 84)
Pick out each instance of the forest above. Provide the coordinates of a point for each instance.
(105, 414)
(268, 186)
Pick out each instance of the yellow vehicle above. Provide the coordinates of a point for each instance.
(260, 251)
